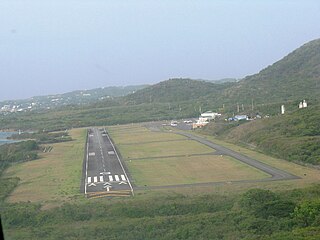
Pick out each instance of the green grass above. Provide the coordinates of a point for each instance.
(143, 137)
(309, 175)
(161, 149)
(53, 178)
(189, 170)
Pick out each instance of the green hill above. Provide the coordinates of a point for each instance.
(296, 76)
(293, 78)
(176, 90)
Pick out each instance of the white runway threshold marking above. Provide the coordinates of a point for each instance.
(100, 179)
(117, 178)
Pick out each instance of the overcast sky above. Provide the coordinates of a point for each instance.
(62, 45)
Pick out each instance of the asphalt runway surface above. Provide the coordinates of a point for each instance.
(104, 174)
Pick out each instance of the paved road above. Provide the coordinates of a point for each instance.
(276, 174)
(104, 174)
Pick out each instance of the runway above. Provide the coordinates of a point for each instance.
(104, 173)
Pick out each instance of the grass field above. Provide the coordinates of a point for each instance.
(309, 175)
(134, 137)
(55, 177)
(188, 170)
(162, 149)
(165, 158)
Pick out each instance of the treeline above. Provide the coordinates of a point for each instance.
(256, 214)
(43, 137)
(18, 152)
(67, 119)
(172, 99)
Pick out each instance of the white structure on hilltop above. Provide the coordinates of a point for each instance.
(282, 109)
(303, 104)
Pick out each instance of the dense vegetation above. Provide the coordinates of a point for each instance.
(294, 136)
(44, 137)
(175, 90)
(256, 214)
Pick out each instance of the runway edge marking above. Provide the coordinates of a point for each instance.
(86, 180)
(121, 164)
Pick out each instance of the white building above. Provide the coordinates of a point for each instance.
(210, 115)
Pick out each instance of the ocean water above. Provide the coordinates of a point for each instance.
(3, 137)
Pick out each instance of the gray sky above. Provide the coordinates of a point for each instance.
(62, 45)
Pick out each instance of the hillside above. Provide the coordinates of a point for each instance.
(288, 81)
(293, 78)
(79, 97)
(296, 76)
(294, 137)
(176, 90)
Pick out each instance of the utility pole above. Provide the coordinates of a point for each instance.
(242, 107)
(252, 104)
(238, 108)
